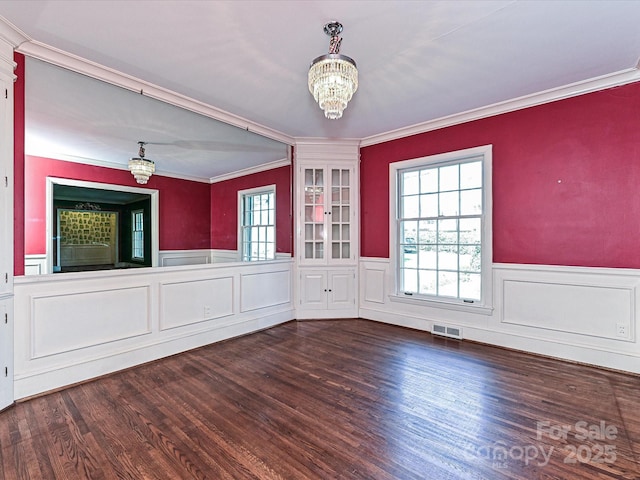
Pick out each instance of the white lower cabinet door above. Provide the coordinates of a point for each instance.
(340, 290)
(313, 289)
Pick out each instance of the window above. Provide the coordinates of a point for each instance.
(137, 235)
(442, 231)
(258, 223)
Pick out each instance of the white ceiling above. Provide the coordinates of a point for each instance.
(417, 61)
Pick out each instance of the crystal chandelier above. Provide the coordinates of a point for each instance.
(333, 78)
(140, 167)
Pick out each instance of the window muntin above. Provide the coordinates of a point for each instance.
(440, 225)
(258, 225)
(137, 235)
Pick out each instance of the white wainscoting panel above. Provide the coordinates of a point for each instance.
(61, 323)
(70, 327)
(581, 309)
(374, 284)
(35, 264)
(194, 301)
(265, 289)
(224, 256)
(172, 258)
(581, 314)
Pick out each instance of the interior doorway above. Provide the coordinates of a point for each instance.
(94, 226)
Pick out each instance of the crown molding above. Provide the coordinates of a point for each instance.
(47, 53)
(12, 34)
(347, 142)
(248, 171)
(116, 166)
(603, 82)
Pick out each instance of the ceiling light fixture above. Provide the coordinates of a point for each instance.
(140, 167)
(333, 78)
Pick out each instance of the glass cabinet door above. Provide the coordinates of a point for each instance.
(340, 214)
(314, 213)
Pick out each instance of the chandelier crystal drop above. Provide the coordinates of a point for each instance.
(140, 167)
(333, 78)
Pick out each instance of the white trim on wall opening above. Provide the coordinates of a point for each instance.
(154, 194)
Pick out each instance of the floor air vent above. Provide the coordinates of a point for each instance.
(452, 332)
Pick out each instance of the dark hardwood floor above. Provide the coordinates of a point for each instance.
(333, 399)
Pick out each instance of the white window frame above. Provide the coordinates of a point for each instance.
(134, 213)
(485, 304)
(241, 195)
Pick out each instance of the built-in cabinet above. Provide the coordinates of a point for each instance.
(327, 228)
(6, 223)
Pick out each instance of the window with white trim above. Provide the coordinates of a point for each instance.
(258, 223)
(442, 228)
(137, 235)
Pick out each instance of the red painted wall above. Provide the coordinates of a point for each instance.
(566, 177)
(224, 208)
(18, 166)
(184, 205)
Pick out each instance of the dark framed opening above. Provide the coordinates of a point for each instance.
(93, 229)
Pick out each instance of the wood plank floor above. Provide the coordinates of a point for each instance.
(333, 399)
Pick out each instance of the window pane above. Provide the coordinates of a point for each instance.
(345, 178)
(408, 231)
(429, 205)
(428, 282)
(428, 257)
(448, 231)
(429, 180)
(447, 257)
(448, 284)
(345, 232)
(449, 178)
(449, 204)
(410, 206)
(271, 251)
(470, 258)
(410, 280)
(470, 230)
(335, 195)
(470, 286)
(427, 232)
(409, 258)
(471, 175)
(410, 183)
(335, 177)
(345, 195)
(471, 202)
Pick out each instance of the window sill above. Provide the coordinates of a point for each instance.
(470, 308)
